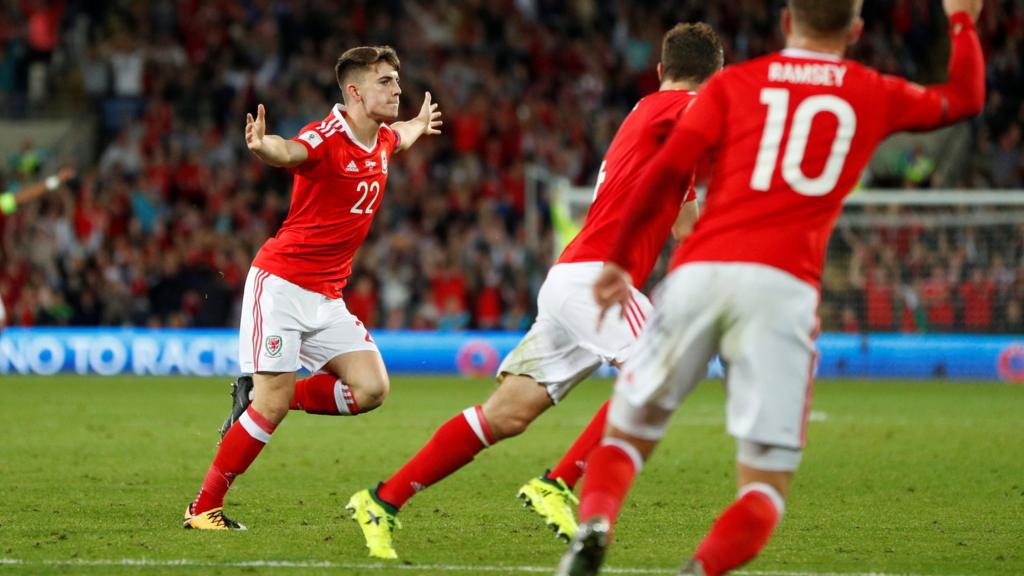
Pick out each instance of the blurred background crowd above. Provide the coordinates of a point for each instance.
(169, 207)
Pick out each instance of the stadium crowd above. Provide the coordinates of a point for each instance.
(161, 225)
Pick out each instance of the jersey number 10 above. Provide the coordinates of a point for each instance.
(777, 100)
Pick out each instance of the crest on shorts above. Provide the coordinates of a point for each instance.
(274, 345)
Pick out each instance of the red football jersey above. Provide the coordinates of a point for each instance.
(334, 197)
(638, 139)
(793, 131)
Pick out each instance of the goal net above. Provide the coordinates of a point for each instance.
(934, 261)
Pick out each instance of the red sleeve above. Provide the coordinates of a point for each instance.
(397, 138)
(697, 131)
(313, 139)
(662, 127)
(915, 107)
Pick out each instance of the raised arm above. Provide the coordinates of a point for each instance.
(9, 201)
(427, 122)
(914, 107)
(271, 149)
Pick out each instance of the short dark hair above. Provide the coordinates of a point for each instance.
(691, 52)
(823, 18)
(361, 59)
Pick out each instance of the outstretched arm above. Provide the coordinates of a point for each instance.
(9, 201)
(271, 149)
(427, 122)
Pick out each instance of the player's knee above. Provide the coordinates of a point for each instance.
(770, 460)
(273, 408)
(372, 392)
(509, 424)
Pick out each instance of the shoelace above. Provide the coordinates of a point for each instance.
(217, 518)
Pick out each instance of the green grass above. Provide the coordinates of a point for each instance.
(898, 477)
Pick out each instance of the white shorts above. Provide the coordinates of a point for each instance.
(283, 324)
(760, 320)
(563, 346)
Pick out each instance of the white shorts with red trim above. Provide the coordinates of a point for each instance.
(284, 326)
(761, 321)
(564, 346)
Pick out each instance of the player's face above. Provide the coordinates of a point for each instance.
(380, 92)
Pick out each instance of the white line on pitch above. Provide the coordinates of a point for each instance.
(186, 563)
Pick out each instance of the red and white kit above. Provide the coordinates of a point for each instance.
(793, 131)
(292, 311)
(563, 346)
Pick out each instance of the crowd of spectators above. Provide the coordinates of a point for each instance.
(161, 225)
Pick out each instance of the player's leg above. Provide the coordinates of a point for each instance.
(561, 349)
(269, 348)
(517, 402)
(670, 358)
(348, 374)
(327, 392)
(743, 529)
(240, 446)
(616, 339)
(770, 357)
(351, 383)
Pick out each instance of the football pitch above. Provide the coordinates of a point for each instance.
(913, 478)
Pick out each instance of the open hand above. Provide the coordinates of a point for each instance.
(255, 129)
(429, 116)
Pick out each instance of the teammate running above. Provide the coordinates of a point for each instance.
(563, 347)
(793, 132)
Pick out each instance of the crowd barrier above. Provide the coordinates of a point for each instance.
(106, 351)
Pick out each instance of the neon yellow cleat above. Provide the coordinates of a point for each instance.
(378, 522)
(213, 519)
(553, 501)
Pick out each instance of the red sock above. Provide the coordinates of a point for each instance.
(571, 466)
(610, 472)
(454, 445)
(324, 394)
(238, 449)
(741, 531)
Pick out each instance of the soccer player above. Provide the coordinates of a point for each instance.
(563, 346)
(10, 200)
(793, 131)
(292, 310)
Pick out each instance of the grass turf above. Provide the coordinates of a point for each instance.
(899, 477)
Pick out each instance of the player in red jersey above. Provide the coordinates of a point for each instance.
(292, 313)
(563, 346)
(793, 131)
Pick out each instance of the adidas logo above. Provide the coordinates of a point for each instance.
(351, 166)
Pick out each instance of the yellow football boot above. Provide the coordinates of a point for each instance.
(377, 520)
(553, 501)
